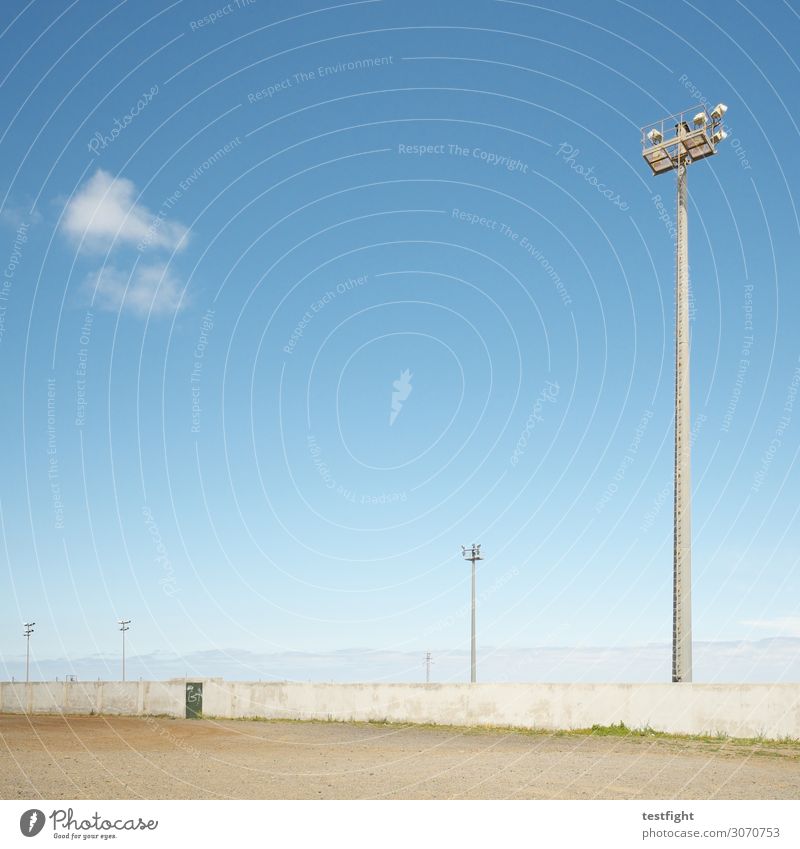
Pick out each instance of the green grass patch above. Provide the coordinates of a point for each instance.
(784, 746)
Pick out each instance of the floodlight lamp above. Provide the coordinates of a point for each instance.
(655, 136)
(699, 120)
(719, 136)
(719, 110)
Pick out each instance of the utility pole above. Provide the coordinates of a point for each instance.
(428, 662)
(665, 150)
(472, 554)
(27, 634)
(124, 625)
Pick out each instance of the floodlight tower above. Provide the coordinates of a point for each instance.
(124, 625)
(28, 626)
(667, 149)
(473, 554)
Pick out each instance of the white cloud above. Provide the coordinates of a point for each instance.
(103, 212)
(147, 290)
(788, 626)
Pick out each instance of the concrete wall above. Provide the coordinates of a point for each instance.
(748, 710)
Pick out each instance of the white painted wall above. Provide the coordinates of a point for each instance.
(747, 710)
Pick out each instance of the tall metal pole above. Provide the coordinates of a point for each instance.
(682, 550)
(696, 137)
(473, 554)
(123, 623)
(27, 633)
(473, 669)
(428, 662)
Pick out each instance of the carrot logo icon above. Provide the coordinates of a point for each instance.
(402, 389)
(31, 822)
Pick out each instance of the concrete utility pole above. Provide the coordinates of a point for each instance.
(428, 662)
(473, 554)
(27, 634)
(665, 150)
(124, 625)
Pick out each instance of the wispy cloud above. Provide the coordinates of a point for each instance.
(104, 213)
(147, 290)
(13, 216)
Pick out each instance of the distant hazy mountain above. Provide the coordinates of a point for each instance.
(776, 660)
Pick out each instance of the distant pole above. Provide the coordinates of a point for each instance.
(27, 634)
(428, 662)
(124, 625)
(473, 554)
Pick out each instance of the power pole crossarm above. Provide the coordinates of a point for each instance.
(27, 634)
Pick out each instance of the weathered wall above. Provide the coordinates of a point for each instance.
(771, 710)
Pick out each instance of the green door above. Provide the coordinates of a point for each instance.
(194, 700)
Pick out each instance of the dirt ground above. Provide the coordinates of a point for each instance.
(101, 757)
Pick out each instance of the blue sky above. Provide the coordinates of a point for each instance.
(298, 298)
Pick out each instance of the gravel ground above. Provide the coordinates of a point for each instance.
(103, 757)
